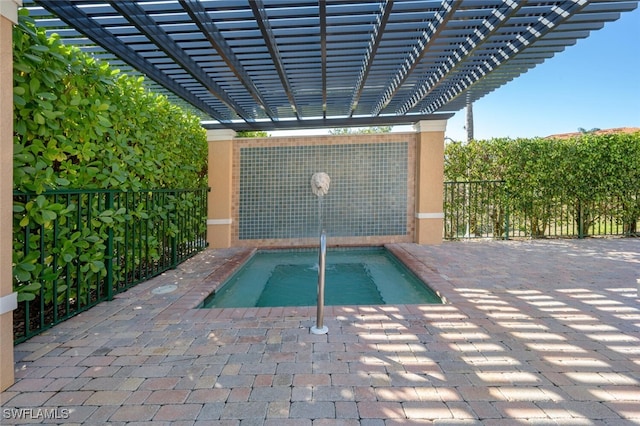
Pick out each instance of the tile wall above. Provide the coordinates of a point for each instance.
(370, 201)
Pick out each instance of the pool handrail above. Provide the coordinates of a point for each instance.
(320, 328)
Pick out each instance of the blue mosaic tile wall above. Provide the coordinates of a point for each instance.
(367, 197)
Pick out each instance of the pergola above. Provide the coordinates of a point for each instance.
(283, 64)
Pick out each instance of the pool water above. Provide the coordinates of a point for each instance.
(363, 276)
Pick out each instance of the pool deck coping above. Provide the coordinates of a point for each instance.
(199, 291)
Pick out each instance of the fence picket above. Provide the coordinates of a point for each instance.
(469, 208)
(85, 246)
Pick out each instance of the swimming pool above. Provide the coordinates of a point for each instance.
(362, 276)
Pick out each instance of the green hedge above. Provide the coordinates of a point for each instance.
(78, 124)
(538, 172)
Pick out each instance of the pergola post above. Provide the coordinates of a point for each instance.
(219, 213)
(429, 181)
(8, 298)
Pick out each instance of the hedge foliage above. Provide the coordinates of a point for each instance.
(79, 124)
(581, 171)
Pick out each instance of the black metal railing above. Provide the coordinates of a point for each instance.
(475, 209)
(73, 249)
(487, 209)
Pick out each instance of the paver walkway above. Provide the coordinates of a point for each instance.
(534, 332)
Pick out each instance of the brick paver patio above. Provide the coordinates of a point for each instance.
(533, 332)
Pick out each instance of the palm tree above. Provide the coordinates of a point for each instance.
(469, 121)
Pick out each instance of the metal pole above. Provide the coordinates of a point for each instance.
(319, 328)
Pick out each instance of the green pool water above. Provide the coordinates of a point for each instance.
(369, 276)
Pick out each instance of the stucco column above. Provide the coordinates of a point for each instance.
(430, 181)
(8, 301)
(219, 217)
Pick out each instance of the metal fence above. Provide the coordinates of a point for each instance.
(74, 249)
(486, 209)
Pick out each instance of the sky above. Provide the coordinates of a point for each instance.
(592, 84)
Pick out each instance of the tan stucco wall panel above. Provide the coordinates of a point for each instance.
(6, 193)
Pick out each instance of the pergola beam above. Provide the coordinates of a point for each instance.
(533, 33)
(200, 17)
(427, 38)
(154, 32)
(76, 18)
(322, 14)
(262, 19)
(322, 123)
(450, 64)
(378, 32)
